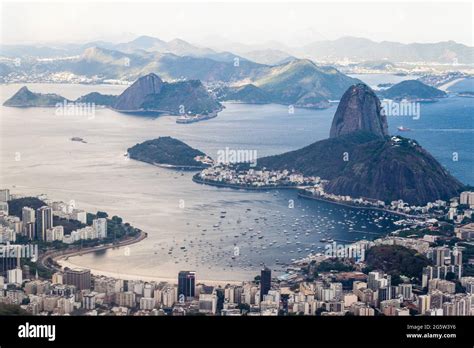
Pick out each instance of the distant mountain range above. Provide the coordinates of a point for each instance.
(303, 83)
(300, 83)
(360, 159)
(277, 77)
(360, 49)
(248, 93)
(268, 56)
(148, 54)
(140, 44)
(113, 64)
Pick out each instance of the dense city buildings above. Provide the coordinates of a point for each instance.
(6, 264)
(336, 282)
(38, 225)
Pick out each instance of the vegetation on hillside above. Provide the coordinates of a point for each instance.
(16, 205)
(97, 99)
(182, 97)
(360, 164)
(166, 150)
(303, 83)
(331, 265)
(396, 260)
(10, 309)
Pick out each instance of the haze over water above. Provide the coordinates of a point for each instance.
(97, 176)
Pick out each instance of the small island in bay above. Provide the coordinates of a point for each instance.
(413, 90)
(170, 153)
(25, 98)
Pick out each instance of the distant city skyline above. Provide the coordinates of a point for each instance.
(219, 24)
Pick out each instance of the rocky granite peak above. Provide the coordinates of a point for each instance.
(359, 110)
(379, 167)
(134, 96)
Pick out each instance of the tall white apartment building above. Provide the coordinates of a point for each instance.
(4, 195)
(100, 227)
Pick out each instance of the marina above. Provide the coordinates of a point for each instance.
(256, 238)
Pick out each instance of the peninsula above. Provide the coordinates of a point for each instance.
(169, 152)
(360, 161)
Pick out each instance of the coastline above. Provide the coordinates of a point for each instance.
(128, 276)
(57, 256)
(173, 166)
(61, 258)
(239, 187)
(302, 195)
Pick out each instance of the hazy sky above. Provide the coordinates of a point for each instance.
(246, 22)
